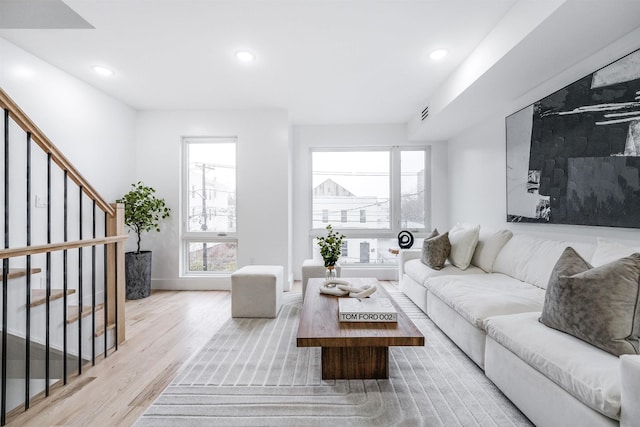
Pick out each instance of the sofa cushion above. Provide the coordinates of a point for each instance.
(531, 259)
(463, 238)
(435, 250)
(589, 374)
(490, 242)
(598, 305)
(420, 273)
(478, 296)
(608, 250)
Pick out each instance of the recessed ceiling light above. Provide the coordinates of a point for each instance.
(103, 71)
(438, 54)
(245, 56)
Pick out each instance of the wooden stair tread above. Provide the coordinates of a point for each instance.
(14, 273)
(73, 312)
(39, 296)
(100, 328)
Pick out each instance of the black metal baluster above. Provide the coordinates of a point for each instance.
(64, 287)
(106, 292)
(80, 298)
(5, 271)
(93, 288)
(27, 357)
(47, 364)
(5, 279)
(115, 297)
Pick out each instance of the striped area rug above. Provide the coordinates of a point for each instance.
(252, 374)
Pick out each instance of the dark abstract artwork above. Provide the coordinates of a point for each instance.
(574, 156)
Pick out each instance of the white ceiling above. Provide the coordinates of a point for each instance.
(331, 61)
(38, 14)
(325, 61)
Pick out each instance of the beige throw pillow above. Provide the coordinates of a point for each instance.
(463, 238)
(435, 250)
(609, 250)
(598, 305)
(490, 243)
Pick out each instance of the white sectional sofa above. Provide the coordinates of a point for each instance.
(492, 314)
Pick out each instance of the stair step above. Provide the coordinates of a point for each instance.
(100, 328)
(73, 312)
(39, 296)
(72, 316)
(14, 273)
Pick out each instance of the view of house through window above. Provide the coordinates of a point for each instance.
(351, 186)
(209, 205)
(412, 189)
(370, 195)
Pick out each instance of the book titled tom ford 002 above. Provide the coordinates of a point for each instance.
(366, 310)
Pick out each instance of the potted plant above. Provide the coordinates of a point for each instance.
(330, 250)
(142, 212)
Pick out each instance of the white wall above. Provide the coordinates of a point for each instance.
(262, 186)
(368, 135)
(477, 159)
(94, 131)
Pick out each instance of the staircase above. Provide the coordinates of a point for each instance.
(62, 300)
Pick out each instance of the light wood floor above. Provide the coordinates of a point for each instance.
(163, 331)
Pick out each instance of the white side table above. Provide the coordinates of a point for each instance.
(256, 291)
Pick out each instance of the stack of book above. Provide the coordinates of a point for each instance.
(366, 310)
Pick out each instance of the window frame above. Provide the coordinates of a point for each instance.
(187, 237)
(395, 219)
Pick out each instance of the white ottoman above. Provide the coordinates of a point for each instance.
(314, 268)
(256, 291)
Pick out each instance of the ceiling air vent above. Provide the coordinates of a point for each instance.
(425, 113)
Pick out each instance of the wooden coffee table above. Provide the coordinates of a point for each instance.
(358, 350)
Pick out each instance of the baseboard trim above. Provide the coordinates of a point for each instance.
(193, 284)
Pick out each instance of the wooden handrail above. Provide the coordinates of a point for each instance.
(45, 143)
(54, 247)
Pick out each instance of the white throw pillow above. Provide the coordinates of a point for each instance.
(608, 251)
(490, 243)
(463, 238)
(531, 259)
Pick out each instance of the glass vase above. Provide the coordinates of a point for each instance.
(330, 274)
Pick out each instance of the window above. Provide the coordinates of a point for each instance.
(352, 181)
(374, 193)
(209, 206)
(412, 189)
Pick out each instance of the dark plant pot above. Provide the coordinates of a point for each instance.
(138, 274)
